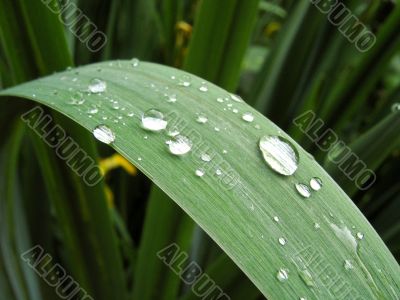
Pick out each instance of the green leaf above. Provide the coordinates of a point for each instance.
(220, 40)
(237, 208)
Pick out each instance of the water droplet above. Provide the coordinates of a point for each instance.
(77, 99)
(169, 96)
(307, 278)
(202, 119)
(248, 117)
(282, 275)
(153, 120)
(316, 183)
(360, 235)
(282, 241)
(131, 114)
(97, 86)
(139, 159)
(396, 107)
(303, 190)
(203, 87)
(235, 110)
(302, 298)
(180, 145)
(217, 129)
(104, 134)
(220, 100)
(348, 265)
(218, 172)
(276, 219)
(199, 172)
(317, 226)
(279, 154)
(93, 110)
(236, 98)
(135, 62)
(205, 157)
(224, 151)
(185, 80)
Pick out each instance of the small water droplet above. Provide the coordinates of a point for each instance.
(248, 117)
(217, 129)
(170, 97)
(199, 172)
(279, 154)
(93, 110)
(205, 157)
(235, 110)
(276, 219)
(77, 99)
(307, 278)
(348, 265)
(185, 80)
(395, 107)
(316, 183)
(282, 275)
(135, 62)
(224, 151)
(180, 145)
(97, 86)
(153, 120)
(360, 235)
(220, 100)
(202, 119)
(317, 226)
(203, 87)
(218, 172)
(104, 134)
(236, 98)
(139, 159)
(282, 241)
(131, 114)
(303, 190)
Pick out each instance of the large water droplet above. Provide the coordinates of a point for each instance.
(180, 145)
(316, 183)
(303, 190)
(248, 117)
(104, 134)
(97, 86)
(282, 275)
(153, 120)
(279, 154)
